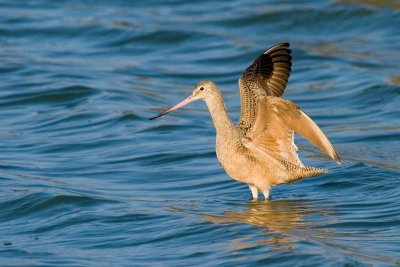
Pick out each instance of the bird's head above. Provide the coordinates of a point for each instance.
(203, 90)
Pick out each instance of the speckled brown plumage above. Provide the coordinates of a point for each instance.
(260, 149)
(266, 76)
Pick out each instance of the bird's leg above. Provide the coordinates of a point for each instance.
(254, 191)
(266, 194)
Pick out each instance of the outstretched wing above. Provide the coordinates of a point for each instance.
(276, 121)
(266, 76)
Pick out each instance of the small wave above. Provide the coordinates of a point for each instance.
(65, 95)
(36, 204)
(155, 37)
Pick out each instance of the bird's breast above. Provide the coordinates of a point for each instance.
(234, 161)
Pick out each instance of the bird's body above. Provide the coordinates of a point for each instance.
(260, 149)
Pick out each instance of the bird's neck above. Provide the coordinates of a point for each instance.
(222, 122)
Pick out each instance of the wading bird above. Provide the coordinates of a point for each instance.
(259, 150)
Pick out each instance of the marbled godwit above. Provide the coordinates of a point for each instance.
(260, 149)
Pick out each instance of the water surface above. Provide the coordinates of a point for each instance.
(87, 180)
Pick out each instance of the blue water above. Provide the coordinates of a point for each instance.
(87, 180)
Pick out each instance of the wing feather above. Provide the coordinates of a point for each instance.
(307, 128)
(266, 76)
(276, 121)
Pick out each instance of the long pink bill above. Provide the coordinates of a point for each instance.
(179, 105)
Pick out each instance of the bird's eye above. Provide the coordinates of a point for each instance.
(201, 88)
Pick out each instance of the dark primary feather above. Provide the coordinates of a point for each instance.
(271, 70)
(266, 76)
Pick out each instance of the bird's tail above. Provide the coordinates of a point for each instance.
(299, 172)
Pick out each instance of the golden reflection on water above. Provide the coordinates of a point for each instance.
(281, 218)
(394, 4)
(395, 80)
(285, 224)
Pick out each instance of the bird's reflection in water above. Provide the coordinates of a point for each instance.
(283, 221)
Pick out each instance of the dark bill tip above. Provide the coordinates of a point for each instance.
(179, 105)
(157, 116)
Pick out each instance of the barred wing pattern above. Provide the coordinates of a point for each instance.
(266, 76)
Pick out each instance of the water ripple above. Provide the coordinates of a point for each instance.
(87, 180)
